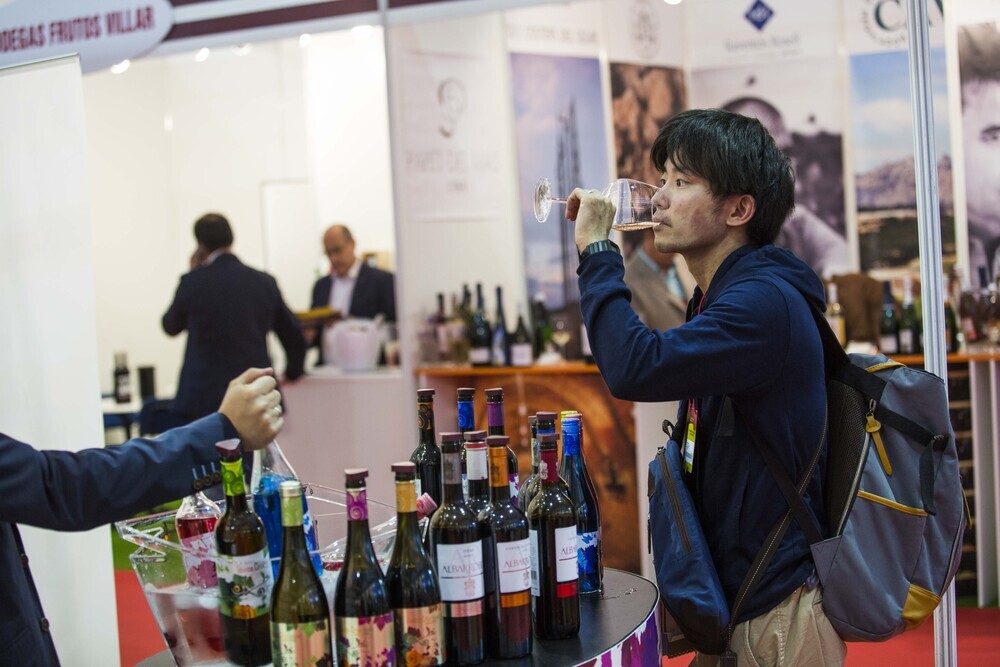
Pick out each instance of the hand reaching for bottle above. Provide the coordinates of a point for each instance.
(253, 405)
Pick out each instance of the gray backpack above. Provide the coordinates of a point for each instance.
(895, 509)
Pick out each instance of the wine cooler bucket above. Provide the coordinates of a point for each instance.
(188, 615)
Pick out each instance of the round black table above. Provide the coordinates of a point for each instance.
(621, 621)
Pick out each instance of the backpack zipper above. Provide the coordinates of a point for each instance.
(874, 427)
(675, 501)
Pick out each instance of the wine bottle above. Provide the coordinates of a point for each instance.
(545, 423)
(552, 530)
(888, 324)
(501, 338)
(950, 319)
(495, 426)
(835, 314)
(583, 493)
(478, 497)
(526, 490)
(521, 351)
(458, 339)
(365, 629)
(457, 551)
(542, 326)
(427, 456)
(507, 560)
(300, 613)
(466, 423)
(243, 568)
(414, 593)
(122, 379)
(440, 323)
(270, 469)
(480, 335)
(909, 323)
(195, 520)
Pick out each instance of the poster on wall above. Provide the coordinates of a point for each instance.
(741, 32)
(561, 30)
(450, 162)
(883, 163)
(560, 129)
(873, 26)
(649, 32)
(793, 101)
(979, 73)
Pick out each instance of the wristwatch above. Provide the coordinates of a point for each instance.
(599, 246)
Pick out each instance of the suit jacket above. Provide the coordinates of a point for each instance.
(654, 303)
(63, 490)
(374, 293)
(228, 309)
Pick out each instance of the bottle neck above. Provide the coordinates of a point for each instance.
(407, 521)
(466, 417)
(499, 475)
(548, 474)
(478, 472)
(534, 451)
(494, 418)
(234, 485)
(294, 537)
(451, 483)
(425, 422)
(571, 446)
(357, 519)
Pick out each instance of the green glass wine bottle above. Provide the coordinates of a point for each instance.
(365, 630)
(300, 613)
(243, 568)
(413, 587)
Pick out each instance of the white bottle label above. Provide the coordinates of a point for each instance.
(479, 355)
(416, 485)
(566, 560)
(460, 571)
(521, 354)
(514, 566)
(533, 539)
(906, 341)
(887, 345)
(476, 465)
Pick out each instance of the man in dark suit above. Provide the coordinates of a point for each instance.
(353, 287)
(227, 309)
(62, 490)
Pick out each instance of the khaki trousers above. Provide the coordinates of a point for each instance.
(796, 632)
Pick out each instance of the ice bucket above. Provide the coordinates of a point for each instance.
(187, 615)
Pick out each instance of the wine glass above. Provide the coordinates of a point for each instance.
(632, 200)
(561, 336)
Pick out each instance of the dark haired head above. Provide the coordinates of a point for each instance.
(978, 55)
(736, 156)
(213, 232)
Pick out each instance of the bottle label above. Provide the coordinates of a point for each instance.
(406, 499)
(476, 464)
(515, 484)
(420, 635)
(536, 588)
(514, 566)
(232, 478)
(466, 417)
(566, 558)
(357, 505)
(465, 485)
(571, 442)
(245, 585)
(498, 466)
(588, 559)
(521, 354)
(200, 562)
(460, 571)
(417, 487)
(451, 467)
(494, 414)
(301, 644)
(366, 641)
(425, 416)
(906, 341)
(479, 355)
(888, 345)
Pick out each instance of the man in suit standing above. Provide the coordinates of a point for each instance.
(353, 288)
(227, 309)
(660, 284)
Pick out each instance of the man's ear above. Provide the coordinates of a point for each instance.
(741, 210)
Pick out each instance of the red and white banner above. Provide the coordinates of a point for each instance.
(103, 32)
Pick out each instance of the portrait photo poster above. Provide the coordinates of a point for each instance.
(883, 162)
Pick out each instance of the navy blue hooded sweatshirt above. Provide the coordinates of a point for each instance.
(755, 340)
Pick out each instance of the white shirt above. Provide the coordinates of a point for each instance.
(342, 289)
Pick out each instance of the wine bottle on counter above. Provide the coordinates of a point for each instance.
(457, 551)
(889, 323)
(122, 379)
(478, 497)
(365, 629)
(441, 334)
(413, 586)
(545, 423)
(195, 520)
(501, 337)
(552, 531)
(526, 490)
(466, 423)
(480, 335)
(243, 568)
(542, 326)
(521, 351)
(909, 323)
(583, 493)
(950, 319)
(495, 426)
(427, 455)
(300, 613)
(507, 561)
(968, 311)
